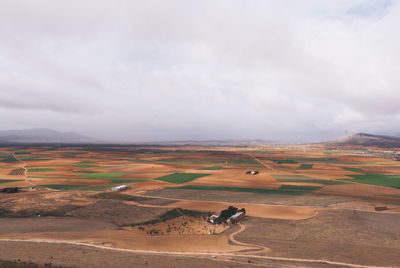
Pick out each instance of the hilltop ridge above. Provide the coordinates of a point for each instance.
(365, 139)
(43, 135)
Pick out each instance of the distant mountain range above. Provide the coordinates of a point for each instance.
(43, 135)
(364, 139)
(49, 136)
(211, 143)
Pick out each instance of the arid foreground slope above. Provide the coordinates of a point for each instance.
(307, 207)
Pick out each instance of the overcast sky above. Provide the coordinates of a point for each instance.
(148, 70)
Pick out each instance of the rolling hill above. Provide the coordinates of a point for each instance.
(364, 139)
(43, 135)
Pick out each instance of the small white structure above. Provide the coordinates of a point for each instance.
(252, 172)
(212, 218)
(119, 188)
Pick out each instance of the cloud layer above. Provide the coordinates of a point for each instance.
(225, 69)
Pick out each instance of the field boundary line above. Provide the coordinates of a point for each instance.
(261, 162)
(26, 174)
(25, 170)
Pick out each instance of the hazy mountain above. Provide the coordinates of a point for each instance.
(43, 135)
(364, 139)
(211, 143)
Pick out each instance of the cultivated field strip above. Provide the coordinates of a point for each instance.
(17, 172)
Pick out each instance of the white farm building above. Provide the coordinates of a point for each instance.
(119, 188)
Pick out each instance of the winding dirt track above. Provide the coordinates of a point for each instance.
(25, 170)
(256, 248)
(192, 253)
(26, 179)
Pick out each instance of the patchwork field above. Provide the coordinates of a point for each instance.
(304, 202)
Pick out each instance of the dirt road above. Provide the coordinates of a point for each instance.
(25, 170)
(166, 253)
(261, 162)
(26, 178)
(256, 248)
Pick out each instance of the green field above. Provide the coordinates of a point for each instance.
(331, 153)
(374, 178)
(283, 161)
(299, 188)
(377, 179)
(84, 171)
(51, 177)
(29, 157)
(302, 178)
(284, 190)
(129, 156)
(40, 166)
(359, 170)
(8, 158)
(75, 187)
(179, 178)
(122, 181)
(84, 165)
(306, 166)
(72, 154)
(41, 169)
(101, 175)
(63, 186)
(7, 181)
(95, 188)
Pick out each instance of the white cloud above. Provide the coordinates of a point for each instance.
(146, 70)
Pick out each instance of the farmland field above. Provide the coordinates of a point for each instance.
(179, 178)
(302, 196)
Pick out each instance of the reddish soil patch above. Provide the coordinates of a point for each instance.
(361, 190)
(256, 210)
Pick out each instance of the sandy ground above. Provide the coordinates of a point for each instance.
(238, 178)
(256, 210)
(131, 240)
(51, 224)
(84, 256)
(342, 235)
(310, 200)
(362, 190)
(184, 225)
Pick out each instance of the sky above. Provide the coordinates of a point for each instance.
(128, 70)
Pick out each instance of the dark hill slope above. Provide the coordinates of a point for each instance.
(43, 135)
(363, 139)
